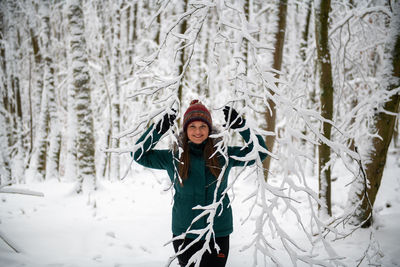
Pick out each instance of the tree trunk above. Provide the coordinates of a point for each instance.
(54, 150)
(326, 98)
(54, 140)
(246, 9)
(304, 34)
(37, 73)
(71, 161)
(270, 116)
(19, 156)
(311, 148)
(81, 85)
(5, 168)
(37, 166)
(115, 107)
(45, 160)
(182, 53)
(133, 38)
(5, 162)
(208, 53)
(384, 124)
(158, 33)
(11, 56)
(396, 134)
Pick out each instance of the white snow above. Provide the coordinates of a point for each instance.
(128, 223)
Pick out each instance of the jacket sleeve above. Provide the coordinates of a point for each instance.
(147, 156)
(238, 154)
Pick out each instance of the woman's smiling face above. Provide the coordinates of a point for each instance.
(197, 131)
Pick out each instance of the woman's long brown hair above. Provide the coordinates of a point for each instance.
(211, 162)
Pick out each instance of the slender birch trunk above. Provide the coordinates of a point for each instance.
(86, 179)
(116, 100)
(71, 161)
(5, 168)
(54, 138)
(5, 129)
(37, 166)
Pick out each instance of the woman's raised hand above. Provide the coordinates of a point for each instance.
(166, 122)
(233, 121)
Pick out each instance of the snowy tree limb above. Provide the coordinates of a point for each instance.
(11, 244)
(21, 192)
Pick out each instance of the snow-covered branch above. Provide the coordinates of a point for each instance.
(20, 191)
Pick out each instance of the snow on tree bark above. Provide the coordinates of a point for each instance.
(115, 95)
(5, 164)
(326, 97)
(71, 161)
(46, 155)
(13, 76)
(37, 166)
(181, 52)
(38, 70)
(364, 193)
(86, 179)
(270, 114)
(6, 129)
(305, 32)
(54, 139)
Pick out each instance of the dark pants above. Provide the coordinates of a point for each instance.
(215, 259)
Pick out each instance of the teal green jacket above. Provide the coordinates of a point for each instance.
(199, 187)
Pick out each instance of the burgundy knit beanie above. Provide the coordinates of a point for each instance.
(196, 112)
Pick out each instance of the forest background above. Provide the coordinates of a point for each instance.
(82, 80)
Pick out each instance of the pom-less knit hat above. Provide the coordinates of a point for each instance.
(197, 112)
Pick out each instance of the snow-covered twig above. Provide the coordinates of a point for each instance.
(11, 244)
(21, 192)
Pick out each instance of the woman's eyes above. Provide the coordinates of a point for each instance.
(194, 127)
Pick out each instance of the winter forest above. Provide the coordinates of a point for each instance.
(82, 80)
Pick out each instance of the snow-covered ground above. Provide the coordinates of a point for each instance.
(128, 224)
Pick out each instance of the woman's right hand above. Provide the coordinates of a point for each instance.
(233, 121)
(166, 122)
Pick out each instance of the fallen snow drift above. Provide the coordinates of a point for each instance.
(128, 223)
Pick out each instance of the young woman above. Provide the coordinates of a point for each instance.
(198, 167)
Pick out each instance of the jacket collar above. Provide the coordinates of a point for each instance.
(197, 149)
